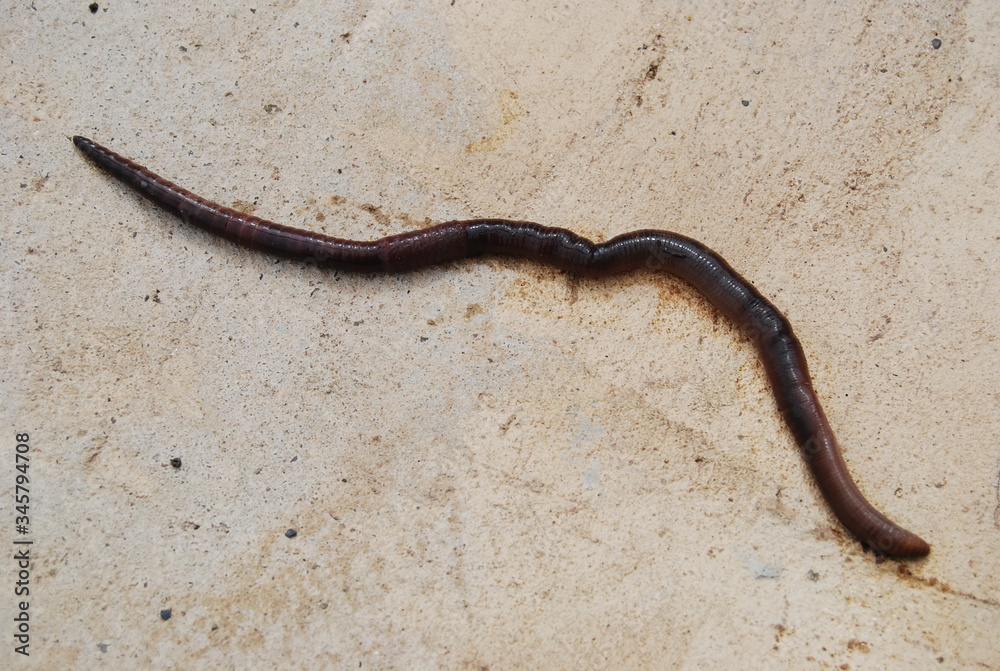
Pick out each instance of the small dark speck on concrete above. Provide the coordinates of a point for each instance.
(175, 462)
(291, 533)
(812, 575)
(746, 103)
(93, 8)
(165, 614)
(936, 43)
(343, 479)
(103, 647)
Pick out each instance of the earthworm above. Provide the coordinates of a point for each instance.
(675, 254)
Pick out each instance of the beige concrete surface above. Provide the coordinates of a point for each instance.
(493, 465)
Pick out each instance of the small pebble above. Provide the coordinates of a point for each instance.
(291, 533)
(746, 103)
(93, 8)
(176, 462)
(165, 614)
(936, 43)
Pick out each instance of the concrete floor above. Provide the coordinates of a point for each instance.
(492, 464)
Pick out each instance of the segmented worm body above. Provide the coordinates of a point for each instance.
(683, 257)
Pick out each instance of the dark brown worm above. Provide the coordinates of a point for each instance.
(683, 257)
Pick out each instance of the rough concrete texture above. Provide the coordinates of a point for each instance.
(492, 464)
